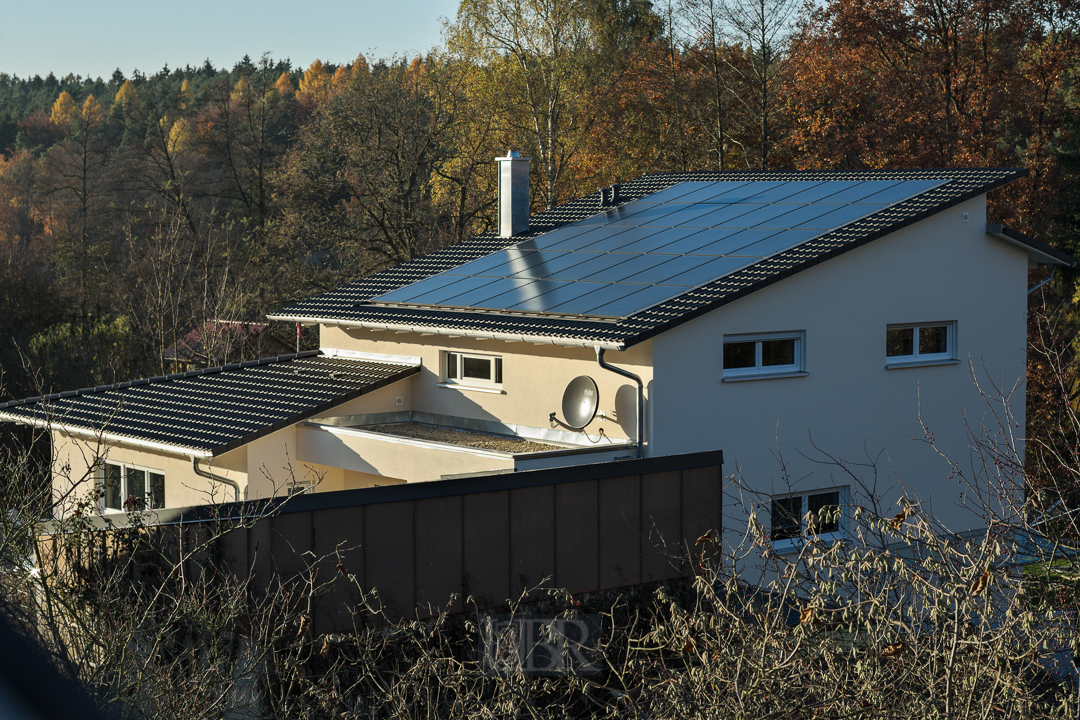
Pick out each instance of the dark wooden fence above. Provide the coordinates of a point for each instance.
(478, 541)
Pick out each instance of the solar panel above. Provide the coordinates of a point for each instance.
(623, 260)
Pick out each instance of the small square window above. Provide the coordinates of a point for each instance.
(773, 354)
(813, 514)
(925, 343)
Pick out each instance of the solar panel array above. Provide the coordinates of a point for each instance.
(627, 259)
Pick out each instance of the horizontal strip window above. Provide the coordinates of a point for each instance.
(468, 369)
(767, 355)
(920, 344)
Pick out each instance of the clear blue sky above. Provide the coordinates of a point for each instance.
(95, 38)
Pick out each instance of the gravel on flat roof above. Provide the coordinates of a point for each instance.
(468, 438)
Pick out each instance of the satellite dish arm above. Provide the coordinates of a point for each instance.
(640, 397)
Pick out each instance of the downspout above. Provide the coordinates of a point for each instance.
(202, 473)
(1048, 278)
(640, 398)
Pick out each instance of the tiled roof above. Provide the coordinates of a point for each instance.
(214, 410)
(348, 304)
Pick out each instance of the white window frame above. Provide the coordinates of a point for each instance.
(916, 358)
(300, 488)
(452, 371)
(794, 544)
(760, 371)
(125, 490)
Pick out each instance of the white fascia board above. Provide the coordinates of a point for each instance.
(1035, 254)
(448, 332)
(410, 360)
(108, 437)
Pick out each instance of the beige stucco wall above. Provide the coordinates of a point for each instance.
(534, 377)
(850, 405)
(74, 479)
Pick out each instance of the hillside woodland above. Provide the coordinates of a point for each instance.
(135, 209)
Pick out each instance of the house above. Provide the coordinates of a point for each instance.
(217, 341)
(787, 318)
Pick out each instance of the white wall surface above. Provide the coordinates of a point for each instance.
(849, 405)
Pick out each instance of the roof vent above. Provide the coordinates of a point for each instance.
(513, 194)
(610, 195)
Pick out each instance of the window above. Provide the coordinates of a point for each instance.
(794, 515)
(467, 369)
(921, 344)
(301, 489)
(771, 355)
(127, 487)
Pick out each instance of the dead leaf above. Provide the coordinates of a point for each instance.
(325, 650)
(689, 646)
(707, 537)
(898, 519)
(895, 649)
(808, 616)
(305, 625)
(341, 567)
(981, 583)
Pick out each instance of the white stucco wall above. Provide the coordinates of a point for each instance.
(849, 405)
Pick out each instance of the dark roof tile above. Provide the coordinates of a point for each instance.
(215, 409)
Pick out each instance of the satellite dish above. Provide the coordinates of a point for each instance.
(579, 402)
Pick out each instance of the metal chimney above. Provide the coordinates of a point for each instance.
(513, 194)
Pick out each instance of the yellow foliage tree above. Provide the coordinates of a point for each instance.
(360, 67)
(240, 90)
(127, 95)
(91, 112)
(64, 110)
(316, 80)
(187, 97)
(341, 76)
(284, 85)
(181, 138)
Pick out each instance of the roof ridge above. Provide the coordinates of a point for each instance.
(157, 379)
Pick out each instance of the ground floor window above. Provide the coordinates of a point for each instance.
(129, 487)
(816, 513)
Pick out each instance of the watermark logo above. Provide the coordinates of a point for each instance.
(540, 645)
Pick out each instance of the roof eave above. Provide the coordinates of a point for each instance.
(216, 450)
(1040, 252)
(104, 436)
(455, 333)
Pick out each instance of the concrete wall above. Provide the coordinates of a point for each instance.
(534, 377)
(849, 405)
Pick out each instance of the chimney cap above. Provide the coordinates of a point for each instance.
(513, 155)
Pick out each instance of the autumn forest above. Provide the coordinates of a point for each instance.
(134, 209)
